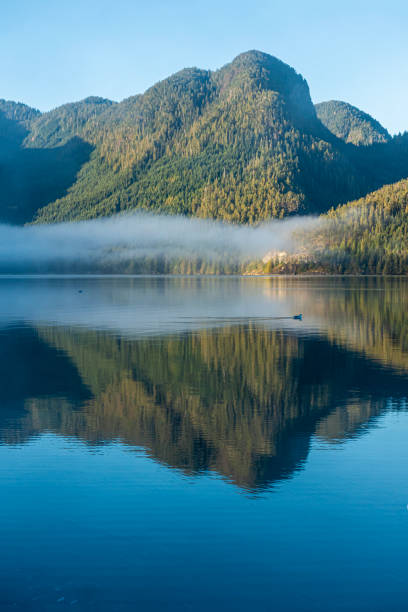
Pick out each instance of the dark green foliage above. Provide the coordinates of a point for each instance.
(15, 120)
(350, 123)
(30, 176)
(17, 111)
(368, 236)
(61, 124)
(371, 234)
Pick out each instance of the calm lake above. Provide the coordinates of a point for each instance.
(183, 444)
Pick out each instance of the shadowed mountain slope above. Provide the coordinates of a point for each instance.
(30, 176)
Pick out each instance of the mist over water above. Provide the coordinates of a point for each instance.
(146, 235)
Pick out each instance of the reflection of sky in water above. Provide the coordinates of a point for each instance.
(348, 310)
(144, 305)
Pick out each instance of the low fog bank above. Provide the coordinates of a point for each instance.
(142, 235)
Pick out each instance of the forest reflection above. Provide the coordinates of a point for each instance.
(241, 400)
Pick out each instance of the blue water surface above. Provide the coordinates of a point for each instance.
(178, 444)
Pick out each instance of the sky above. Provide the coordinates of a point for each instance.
(58, 51)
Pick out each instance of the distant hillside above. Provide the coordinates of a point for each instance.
(367, 236)
(16, 112)
(370, 235)
(15, 121)
(242, 144)
(350, 123)
(31, 177)
(59, 125)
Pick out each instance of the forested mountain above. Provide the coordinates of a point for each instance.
(366, 236)
(350, 123)
(240, 144)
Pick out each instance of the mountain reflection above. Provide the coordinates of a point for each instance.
(241, 400)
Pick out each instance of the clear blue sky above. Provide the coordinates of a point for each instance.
(57, 51)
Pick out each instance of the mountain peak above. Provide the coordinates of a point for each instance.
(256, 70)
(254, 55)
(267, 69)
